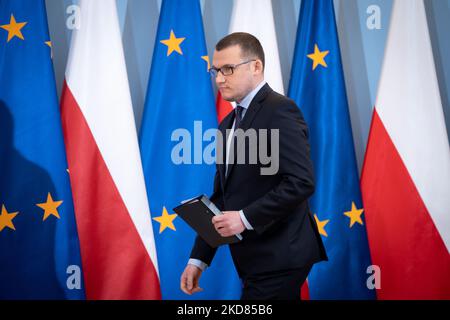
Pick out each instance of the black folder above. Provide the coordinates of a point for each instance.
(198, 213)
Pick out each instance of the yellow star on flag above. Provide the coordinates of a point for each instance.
(14, 28)
(354, 215)
(6, 219)
(206, 58)
(49, 44)
(166, 220)
(318, 57)
(173, 44)
(321, 225)
(50, 207)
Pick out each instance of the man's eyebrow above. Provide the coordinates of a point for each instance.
(225, 65)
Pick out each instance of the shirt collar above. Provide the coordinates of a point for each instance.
(245, 103)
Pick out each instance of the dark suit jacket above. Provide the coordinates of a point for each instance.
(285, 234)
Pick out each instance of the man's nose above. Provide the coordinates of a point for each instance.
(220, 78)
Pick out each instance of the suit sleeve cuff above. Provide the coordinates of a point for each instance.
(198, 263)
(247, 224)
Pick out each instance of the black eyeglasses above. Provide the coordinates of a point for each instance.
(227, 70)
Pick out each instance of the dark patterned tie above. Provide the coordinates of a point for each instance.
(238, 114)
(238, 119)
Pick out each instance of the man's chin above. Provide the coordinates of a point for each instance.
(227, 98)
(226, 95)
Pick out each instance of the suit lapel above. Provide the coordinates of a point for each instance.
(226, 124)
(246, 123)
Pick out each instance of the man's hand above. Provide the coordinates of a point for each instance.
(229, 223)
(189, 279)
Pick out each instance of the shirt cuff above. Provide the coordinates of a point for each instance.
(198, 263)
(245, 221)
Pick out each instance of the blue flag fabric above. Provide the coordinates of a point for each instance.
(317, 86)
(39, 248)
(179, 109)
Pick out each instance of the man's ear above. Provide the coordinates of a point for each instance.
(259, 66)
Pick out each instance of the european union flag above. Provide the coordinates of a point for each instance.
(317, 85)
(176, 147)
(39, 249)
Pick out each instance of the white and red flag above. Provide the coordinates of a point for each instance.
(406, 173)
(112, 212)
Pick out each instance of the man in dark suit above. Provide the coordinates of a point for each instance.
(267, 207)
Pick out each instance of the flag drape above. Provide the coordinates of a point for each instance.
(174, 140)
(113, 217)
(406, 173)
(39, 248)
(317, 86)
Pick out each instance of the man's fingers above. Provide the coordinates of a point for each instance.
(189, 283)
(224, 224)
(184, 285)
(185, 290)
(223, 231)
(219, 225)
(197, 289)
(217, 219)
(190, 279)
(226, 234)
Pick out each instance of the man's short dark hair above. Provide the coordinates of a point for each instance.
(249, 44)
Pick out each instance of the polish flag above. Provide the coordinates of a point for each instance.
(113, 217)
(256, 17)
(406, 173)
(223, 107)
